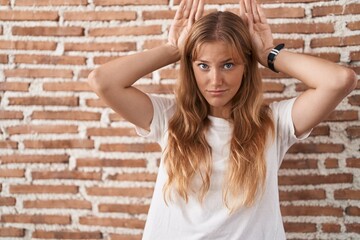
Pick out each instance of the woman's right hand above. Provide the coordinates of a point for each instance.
(188, 12)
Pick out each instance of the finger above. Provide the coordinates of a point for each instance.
(254, 11)
(250, 23)
(193, 12)
(180, 11)
(200, 10)
(242, 10)
(262, 15)
(247, 6)
(187, 8)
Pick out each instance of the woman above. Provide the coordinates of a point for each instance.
(222, 147)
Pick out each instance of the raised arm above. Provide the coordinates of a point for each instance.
(328, 83)
(113, 81)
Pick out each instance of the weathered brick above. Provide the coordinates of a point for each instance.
(62, 204)
(316, 148)
(14, 158)
(299, 227)
(125, 237)
(299, 164)
(100, 16)
(354, 100)
(39, 73)
(76, 175)
(331, 163)
(12, 173)
(67, 234)
(43, 189)
(128, 192)
(291, 210)
(67, 86)
(51, 3)
(12, 232)
(36, 219)
(273, 87)
(152, 43)
(27, 45)
(353, 25)
(41, 129)
(50, 60)
(48, 31)
(126, 31)
(320, 131)
(129, 2)
(355, 56)
(336, 10)
(303, 28)
(112, 222)
(11, 114)
(316, 179)
(352, 211)
(14, 86)
(90, 47)
(315, 194)
(94, 162)
(331, 227)
(335, 41)
(61, 144)
(131, 147)
(124, 208)
(13, 15)
(352, 227)
(66, 115)
(3, 58)
(347, 194)
(7, 201)
(96, 103)
(8, 144)
(149, 177)
(44, 101)
(111, 132)
(353, 162)
(342, 116)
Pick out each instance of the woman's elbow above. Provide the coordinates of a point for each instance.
(349, 80)
(94, 81)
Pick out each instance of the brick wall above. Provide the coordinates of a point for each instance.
(72, 168)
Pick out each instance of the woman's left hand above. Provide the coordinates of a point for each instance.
(259, 29)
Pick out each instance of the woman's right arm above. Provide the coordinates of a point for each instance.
(113, 81)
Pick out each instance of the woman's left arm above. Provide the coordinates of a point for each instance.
(328, 83)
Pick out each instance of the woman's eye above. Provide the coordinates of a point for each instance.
(228, 65)
(203, 66)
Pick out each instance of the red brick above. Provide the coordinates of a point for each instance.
(353, 25)
(111, 131)
(3, 58)
(112, 222)
(11, 232)
(66, 235)
(320, 131)
(353, 132)
(44, 101)
(335, 41)
(303, 28)
(36, 219)
(7, 201)
(127, 192)
(292, 210)
(4, 3)
(355, 56)
(331, 163)
(50, 2)
(342, 116)
(94, 162)
(353, 227)
(66, 115)
(336, 10)
(14, 86)
(100, 16)
(44, 189)
(61, 144)
(354, 100)
(51, 60)
(112, 47)
(331, 228)
(76, 175)
(124, 237)
(129, 2)
(11, 115)
(149, 177)
(347, 194)
(67, 86)
(316, 148)
(299, 164)
(27, 45)
(299, 227)
(353, 162)
(48, 31)
(98, 103)
(41, 129)
(126, 31)
(12, 173)
(62, 204)
(124, 208)
(8, 144)
(316, 194)
(352, 211)
(152, 43)
(316, 179)
(131, 147)
(14, 158)
(39, 73)
(12, 15)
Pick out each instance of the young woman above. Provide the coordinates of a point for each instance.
(222, 146)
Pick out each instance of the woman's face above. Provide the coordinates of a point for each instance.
(218, 76)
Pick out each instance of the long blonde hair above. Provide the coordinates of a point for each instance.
(188, 154)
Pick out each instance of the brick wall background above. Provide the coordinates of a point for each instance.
(73, 169)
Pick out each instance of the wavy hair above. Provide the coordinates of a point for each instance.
(188, 155)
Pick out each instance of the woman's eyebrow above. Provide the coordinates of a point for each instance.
(205, 61)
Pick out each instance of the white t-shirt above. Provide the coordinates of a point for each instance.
(211, 220)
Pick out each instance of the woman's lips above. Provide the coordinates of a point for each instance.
(216, 92)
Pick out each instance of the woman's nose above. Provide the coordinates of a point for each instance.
(216, 77)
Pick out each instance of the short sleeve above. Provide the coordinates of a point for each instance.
(284, 126)
(163, 110)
